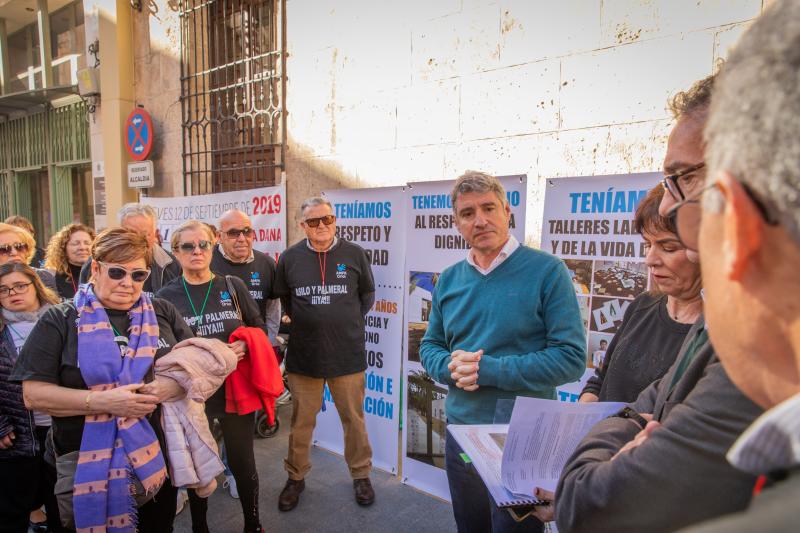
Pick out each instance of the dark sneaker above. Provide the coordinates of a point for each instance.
(364, 493)
(290, 495)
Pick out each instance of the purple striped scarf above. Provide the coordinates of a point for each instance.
(113, 449)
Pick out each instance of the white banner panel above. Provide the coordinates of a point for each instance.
(266, 208)
(375, 220)
(588, 222)
(433, 245)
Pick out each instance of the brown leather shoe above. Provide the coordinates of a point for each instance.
(290, 495)
(364, 493)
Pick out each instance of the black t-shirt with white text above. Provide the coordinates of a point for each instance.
(51, 355)
(327, 331)
(218, 319)
(258, 275)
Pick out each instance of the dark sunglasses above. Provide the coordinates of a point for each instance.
(189, 247)
(234, 233)
(314, 222)
(672, 185)
(19, 247)
(118, 273)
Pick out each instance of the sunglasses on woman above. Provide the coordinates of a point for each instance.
(314, 222)
(189, 247)
(117, 273)
(19, 247)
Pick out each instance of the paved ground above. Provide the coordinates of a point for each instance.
(327, 504)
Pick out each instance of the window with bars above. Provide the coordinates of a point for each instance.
(231, 94)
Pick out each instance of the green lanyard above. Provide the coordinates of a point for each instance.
(198, 316)
(117, 333)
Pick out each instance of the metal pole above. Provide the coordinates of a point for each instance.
(45, 50)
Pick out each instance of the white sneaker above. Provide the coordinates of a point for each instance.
(230, 484)
(183, 497)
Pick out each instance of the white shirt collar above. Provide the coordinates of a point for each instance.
(509, 248)
(772, 442)
(250, 259)
(335, 240)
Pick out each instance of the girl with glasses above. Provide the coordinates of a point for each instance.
(91, 369)
(67, 252)
(23, 299)
(205, 301)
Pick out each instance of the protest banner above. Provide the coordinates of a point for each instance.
(434, 244)
(265, 206)
(588, 222)
(375, 220)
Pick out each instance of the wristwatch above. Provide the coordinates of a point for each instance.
(627, 412)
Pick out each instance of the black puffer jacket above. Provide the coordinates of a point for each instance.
(13, 414)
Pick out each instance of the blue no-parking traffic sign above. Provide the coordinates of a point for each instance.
(139, 134)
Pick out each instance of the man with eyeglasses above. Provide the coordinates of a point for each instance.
(326, 287)
(660, 465)
(164, 267)
(235, 256)
(747, 222)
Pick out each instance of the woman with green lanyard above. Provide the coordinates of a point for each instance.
(204, 300)
(23, 299)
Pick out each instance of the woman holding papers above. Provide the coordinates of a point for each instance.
(656, 322)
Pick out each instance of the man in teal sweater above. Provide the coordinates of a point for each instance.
(504, 323)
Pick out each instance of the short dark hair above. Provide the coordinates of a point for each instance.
(647, 218)
(121, 245)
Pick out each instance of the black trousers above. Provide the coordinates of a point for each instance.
(237, 434)
(27, 485)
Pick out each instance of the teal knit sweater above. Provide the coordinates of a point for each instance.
(525, 317)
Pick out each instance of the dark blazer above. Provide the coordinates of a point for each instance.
(13, 414)
(775, 509)
(677, 477)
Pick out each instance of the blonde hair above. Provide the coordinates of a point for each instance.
(23, 236)
(56, 256)
(21, 222)
(121, 245)
(175, 240)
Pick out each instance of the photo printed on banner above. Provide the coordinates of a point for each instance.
(580, 270)
(607, 313)
(427, 419)
(584, 305)
(598, 345)
(420, 298)
(626, 279)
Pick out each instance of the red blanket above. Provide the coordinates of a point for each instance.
(257, 381)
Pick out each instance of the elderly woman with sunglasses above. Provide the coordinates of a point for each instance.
(206, 303)
(23, 299)
(18, 246)
(91, 369)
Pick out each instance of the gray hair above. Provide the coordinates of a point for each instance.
(311, 202)
(753, 130)
(134, 209)
(480, 182)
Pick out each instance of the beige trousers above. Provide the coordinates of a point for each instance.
(348, 396)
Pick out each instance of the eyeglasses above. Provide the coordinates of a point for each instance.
(18, 288)
(19, 247)
(671, 182)
(189, 247)
(314, 222)
(234, 233)
(117, 273)
(686, 216)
